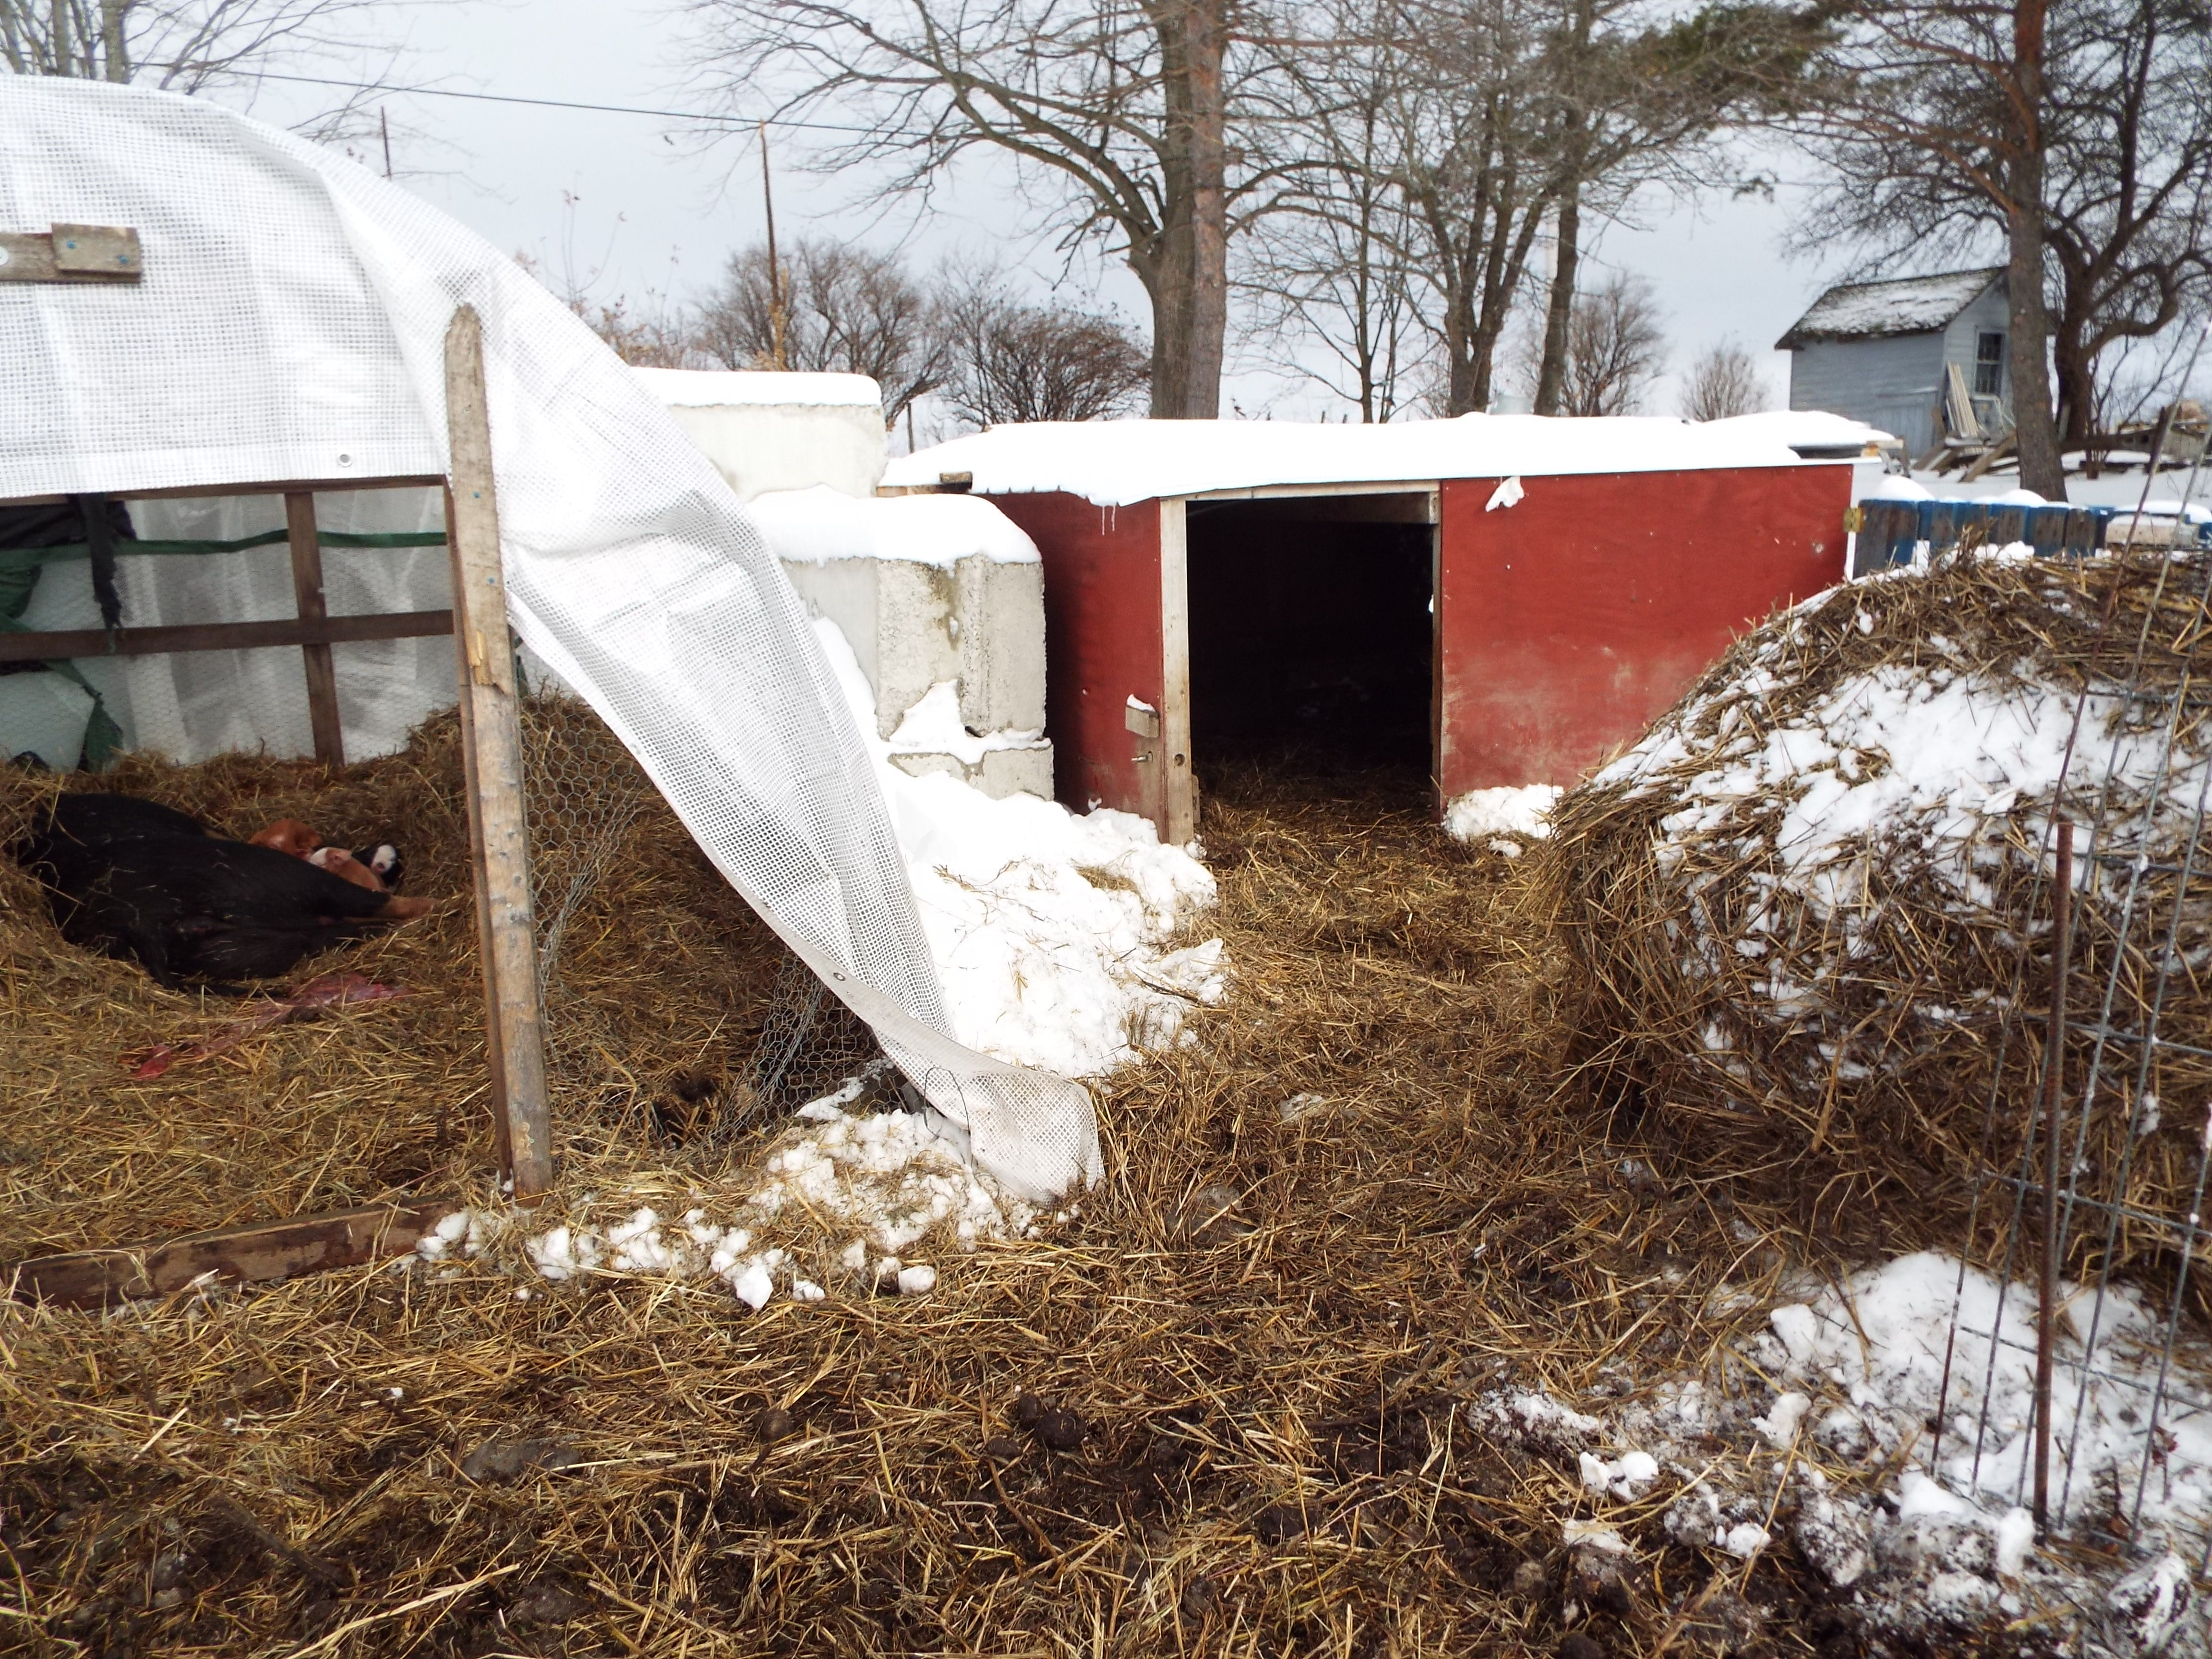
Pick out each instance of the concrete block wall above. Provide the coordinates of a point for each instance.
(767, 431)
(931, 592)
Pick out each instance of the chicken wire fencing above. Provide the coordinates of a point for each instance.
(2076, 1378)
(585, 797)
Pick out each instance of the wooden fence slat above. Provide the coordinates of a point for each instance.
(223, 636)
(491, 748)
(315, 654)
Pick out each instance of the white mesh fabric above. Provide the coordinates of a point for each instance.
(291, 324)
(194, 704)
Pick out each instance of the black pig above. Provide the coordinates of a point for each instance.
(129, 878)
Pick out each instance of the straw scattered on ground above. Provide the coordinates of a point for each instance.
(1231, 1406)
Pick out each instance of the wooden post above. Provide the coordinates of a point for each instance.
(491, 749)
(308, 591)
(1172, 753)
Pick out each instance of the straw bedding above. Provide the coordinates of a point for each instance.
(379, 1102)
(1227, 1406)
(1808, 915)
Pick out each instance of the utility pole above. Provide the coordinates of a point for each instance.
(775, 268)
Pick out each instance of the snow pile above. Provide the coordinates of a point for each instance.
(1896, 487)
(1047, 928)
(1504, 818)
(885, 1180)
(1902, 1480)
(815, 526)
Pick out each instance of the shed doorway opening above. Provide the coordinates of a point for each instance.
(1312, 636)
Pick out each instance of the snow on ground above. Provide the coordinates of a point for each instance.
(885, 1180)
(1897, 1457)
(1047, 927)
(1503, 819)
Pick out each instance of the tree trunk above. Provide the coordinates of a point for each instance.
(113, 47)
(2040, 469)
(2077, 391)
(1559, 308)
(1460, 391)
(1187, 276)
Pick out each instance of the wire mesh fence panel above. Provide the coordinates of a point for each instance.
(621, 968)
(2106, 1182)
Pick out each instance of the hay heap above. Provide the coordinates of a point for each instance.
(1810, 909)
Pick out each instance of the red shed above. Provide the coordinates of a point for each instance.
(1507, 599)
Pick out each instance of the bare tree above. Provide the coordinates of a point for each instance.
(1615, 348)
(657, 336)
(2123, 197)
(1327, 273)
(1132, 116)
(846, 311)
(187, 45)
(1011, 362)
(1648, 96)
(1942, 109)
(1724, 382)
(1441, 137)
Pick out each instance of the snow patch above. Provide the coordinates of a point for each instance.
(1503, 818)
(1048, 929)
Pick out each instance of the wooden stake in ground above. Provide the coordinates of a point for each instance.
(2054, 1056)
(491, 748)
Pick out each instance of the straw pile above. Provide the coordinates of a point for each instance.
(384, 1101)
(1234, 1406)
(1810, 912)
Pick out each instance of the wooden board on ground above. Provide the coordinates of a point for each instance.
(231, 1255)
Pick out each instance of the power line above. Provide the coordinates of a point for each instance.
(736, 121)
(558, 103)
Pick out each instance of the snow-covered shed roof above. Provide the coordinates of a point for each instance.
(1903, 305)
(1115, 462)
(720, 388)
(1812, 433)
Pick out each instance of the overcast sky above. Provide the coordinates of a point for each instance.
(631, 204)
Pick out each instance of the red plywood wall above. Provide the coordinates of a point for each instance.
(1102, 644)
(1569, 620)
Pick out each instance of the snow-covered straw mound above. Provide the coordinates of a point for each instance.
(1799, 903)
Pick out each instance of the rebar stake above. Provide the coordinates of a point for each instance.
(2054, 1053)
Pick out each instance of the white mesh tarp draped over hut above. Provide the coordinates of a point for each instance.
(290, 325)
